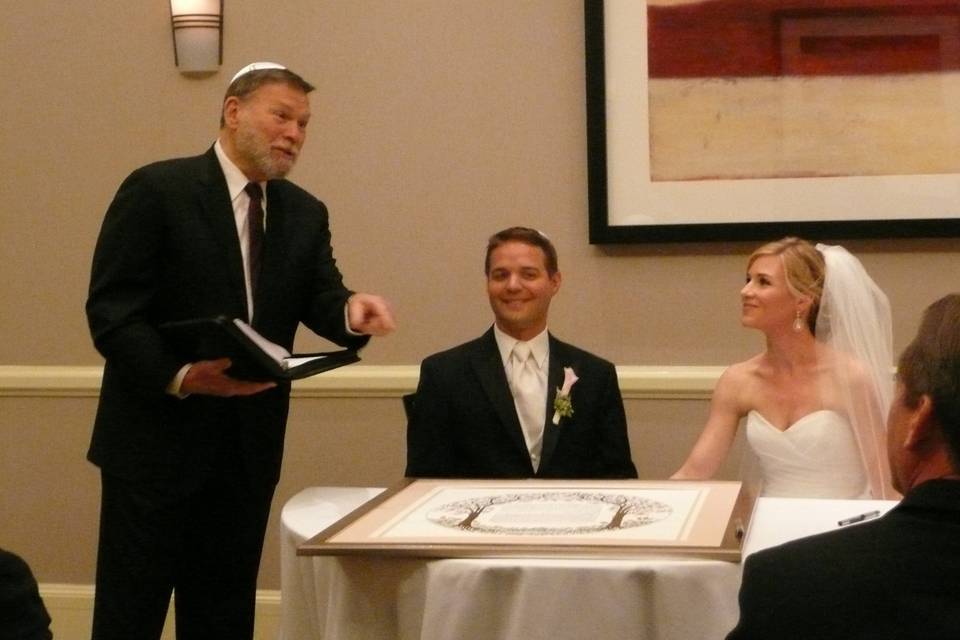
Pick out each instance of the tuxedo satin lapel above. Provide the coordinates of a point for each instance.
(218, 212)
(559, 358)
(489, 369)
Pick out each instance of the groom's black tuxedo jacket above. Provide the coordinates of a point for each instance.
(168, 250)
(464, 422)
(896, 577)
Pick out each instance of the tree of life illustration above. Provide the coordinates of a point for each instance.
(494, 513)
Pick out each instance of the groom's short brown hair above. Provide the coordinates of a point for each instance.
(527, 236)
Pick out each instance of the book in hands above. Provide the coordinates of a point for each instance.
(252, 356)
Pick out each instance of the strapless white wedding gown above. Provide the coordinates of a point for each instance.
(815, 457)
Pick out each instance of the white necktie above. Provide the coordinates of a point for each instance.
(528, 398)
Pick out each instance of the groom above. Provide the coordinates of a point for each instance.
(516, 402)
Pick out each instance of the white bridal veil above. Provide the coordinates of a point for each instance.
(854, 322)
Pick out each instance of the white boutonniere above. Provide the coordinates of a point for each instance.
(562, 406)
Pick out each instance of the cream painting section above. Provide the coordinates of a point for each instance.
(750, 128)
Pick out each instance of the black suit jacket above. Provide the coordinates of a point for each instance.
(464, 422)
(22, 613)
(896, 577)
(168, 250)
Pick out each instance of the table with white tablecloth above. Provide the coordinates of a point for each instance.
(372, 597)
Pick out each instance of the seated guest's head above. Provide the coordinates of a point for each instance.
(923, 431)
(522, 278)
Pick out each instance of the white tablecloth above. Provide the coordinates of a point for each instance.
(361, 598)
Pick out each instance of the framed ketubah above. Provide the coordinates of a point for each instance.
(754, 119)
(530, 517)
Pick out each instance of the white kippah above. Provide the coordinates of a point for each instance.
(256, 66)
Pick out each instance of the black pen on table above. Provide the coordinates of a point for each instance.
(869, 515)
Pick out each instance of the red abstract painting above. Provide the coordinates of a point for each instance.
(744, 38)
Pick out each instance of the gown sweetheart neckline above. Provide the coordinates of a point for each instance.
(815, 457)
(793, 424)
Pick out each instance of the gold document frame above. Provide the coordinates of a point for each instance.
(432, 518)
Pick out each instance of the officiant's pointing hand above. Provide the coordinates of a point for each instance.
(369, 314)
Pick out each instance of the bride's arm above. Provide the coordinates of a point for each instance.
(717, 437)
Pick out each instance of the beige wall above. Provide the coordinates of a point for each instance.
(435, 123)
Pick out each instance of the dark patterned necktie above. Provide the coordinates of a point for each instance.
(254, 232)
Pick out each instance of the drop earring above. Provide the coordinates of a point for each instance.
(798, 322)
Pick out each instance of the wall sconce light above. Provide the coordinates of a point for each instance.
(197, 34)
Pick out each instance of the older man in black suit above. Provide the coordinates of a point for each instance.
(189, 456)
(517, 402)
(895, 577)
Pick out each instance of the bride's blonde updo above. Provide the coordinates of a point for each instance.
(803, 267)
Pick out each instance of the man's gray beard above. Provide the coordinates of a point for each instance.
(268, 166)
(247, 144)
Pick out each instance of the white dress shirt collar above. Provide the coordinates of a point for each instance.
(236, 181)
(539, 346)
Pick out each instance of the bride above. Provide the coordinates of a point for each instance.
(815, 400)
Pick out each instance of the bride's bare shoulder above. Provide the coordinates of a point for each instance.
(742, 372)
(842, 364)
(736, 389)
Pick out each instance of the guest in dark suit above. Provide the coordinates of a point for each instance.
(189, 456)
(895, 577)
(482, 411)
(22, 614)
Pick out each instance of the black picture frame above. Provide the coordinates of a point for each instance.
(604, 230)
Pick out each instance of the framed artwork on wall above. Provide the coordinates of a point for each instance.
(755, 119)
